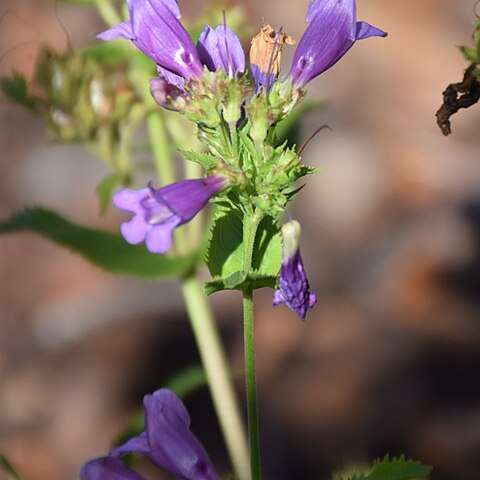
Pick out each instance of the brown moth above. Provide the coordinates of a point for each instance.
(266, 49)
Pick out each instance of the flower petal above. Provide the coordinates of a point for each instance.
(130, 200)
(108, 468)
(331, 33)
(294, 289)
(187, 197)
(154, 28)
(365, 30)
(159, 238)
(138, 444)
(262, 80)
(220, 49)
(122, 30)
(135, 230)
(173, 446)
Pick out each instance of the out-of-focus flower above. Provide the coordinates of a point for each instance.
(266, 56)
(332, 32)
(159, 211)
(167, 441)
(294, 289)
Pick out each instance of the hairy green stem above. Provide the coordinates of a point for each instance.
(250, 225)
(203, 324)
(219, 381)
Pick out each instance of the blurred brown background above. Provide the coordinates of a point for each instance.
(388, 361)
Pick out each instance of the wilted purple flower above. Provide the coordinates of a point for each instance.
(332, 31)
(167, 441)
(155, 29)
(159, 211)
(220, 49)
(294, 289)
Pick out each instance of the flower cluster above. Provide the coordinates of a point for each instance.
(236, 111)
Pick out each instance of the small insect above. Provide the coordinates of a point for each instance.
(266, 50)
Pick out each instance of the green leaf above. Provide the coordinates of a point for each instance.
(15, 88)
(6, 467)
(106, 250)
(288, 130)
(225, 255)
(395, 469)
(470, 53)
(204, 159)
(105, 190)
(239, 281)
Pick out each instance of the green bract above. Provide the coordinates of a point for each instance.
(238, 129)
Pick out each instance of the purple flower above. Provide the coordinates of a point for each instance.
(155, 29)
(294, 289)
(157, 212)
(332, 32)
(167, 441)
(220, 49)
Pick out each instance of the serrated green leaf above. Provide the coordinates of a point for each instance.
(15, 88)
(106, 250)
(225, 255)
(6, 467)
(105, 190)
(304, 170)
(248, 143)
(395, 469)
(204, 159)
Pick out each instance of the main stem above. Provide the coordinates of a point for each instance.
(250, 226)
(203, 323)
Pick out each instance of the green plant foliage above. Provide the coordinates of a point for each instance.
(395, 469)
(15, 88)
(7, 468)
(225, 255)
(204, 159)
(106, 188)
(106, 250)
(288, 130)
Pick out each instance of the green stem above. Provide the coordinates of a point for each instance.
(203, 324)
(250, 225)
(214, 362)
(108, 12)
(160, 148)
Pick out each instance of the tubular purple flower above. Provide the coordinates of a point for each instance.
(155, 29)
(220, 49)
(294, 289)
(107, 468)
(332, 32)
(167, 441)
(157, 212)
